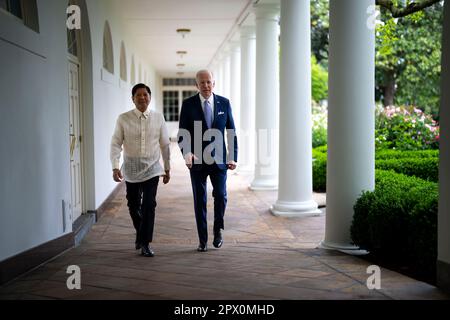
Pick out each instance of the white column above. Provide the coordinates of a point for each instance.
(226, 74)
(295, 196)
(247, 150)
(235, 83)
(267, 101)
(219, 77)
(214, 68)
(443, 263)
(351, 117)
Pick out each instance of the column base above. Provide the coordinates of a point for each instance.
(343, 247)
(260, 185)
(295, 209)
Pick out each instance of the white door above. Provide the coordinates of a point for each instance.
(75, 142)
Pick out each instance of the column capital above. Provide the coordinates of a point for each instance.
(267, 11)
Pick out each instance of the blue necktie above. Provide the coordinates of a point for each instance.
(208, 114)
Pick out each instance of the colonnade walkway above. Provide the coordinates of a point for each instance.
(263, 256)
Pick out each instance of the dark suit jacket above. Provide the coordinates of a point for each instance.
(192, 117)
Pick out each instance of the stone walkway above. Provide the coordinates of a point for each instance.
(263, 256)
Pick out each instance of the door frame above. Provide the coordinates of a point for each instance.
(77, 61)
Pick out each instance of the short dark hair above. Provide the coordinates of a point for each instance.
(139, 86)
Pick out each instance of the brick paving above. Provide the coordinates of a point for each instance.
(263, 256)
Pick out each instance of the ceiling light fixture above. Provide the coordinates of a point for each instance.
(181, 53)
(183, 31)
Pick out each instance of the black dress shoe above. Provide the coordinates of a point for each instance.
(218, 240)
(147, 251)
(202, 247)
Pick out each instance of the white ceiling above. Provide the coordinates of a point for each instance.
(153, 24)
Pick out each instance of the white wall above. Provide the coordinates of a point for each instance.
(34, 163)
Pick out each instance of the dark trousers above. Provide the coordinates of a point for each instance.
(141, 198)
(218, 179)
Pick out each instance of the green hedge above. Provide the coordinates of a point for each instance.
(319, 171)
(422, 164)
(396, 154)
(397, 222)
(424, 168)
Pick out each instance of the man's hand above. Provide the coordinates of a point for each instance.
(166, 177)
(231, 165)
(117, 175)
(189, 159)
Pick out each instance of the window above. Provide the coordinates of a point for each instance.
(179, 82)
(25, 10)
(123, 62)
(108, 53)
(170, 103)
(189, 93)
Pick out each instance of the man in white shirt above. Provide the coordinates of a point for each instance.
(143, 134)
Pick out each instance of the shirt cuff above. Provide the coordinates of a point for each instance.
(116, 164)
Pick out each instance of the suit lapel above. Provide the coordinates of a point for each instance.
(199, 109)
(217, 109)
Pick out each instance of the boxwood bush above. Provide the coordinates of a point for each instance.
(396, 154)
(397, 222)
(424, 168)
(319, 171)
(422, 164)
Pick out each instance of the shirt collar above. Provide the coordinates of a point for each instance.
(138, 114)
(210, 99)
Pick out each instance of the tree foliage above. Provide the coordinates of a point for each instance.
(319, 30)
(319, 79)
(408, 50)
(408, 54)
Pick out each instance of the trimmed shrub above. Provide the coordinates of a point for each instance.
(396, 222)
(319, 171)
(422, 164)
(396, 154)
(424, 168)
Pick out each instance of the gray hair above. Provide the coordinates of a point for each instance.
(204, 71)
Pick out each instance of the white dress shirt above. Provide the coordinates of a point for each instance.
(211, 103)
(144, 138)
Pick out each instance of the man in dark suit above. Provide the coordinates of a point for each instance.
(203, 120)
